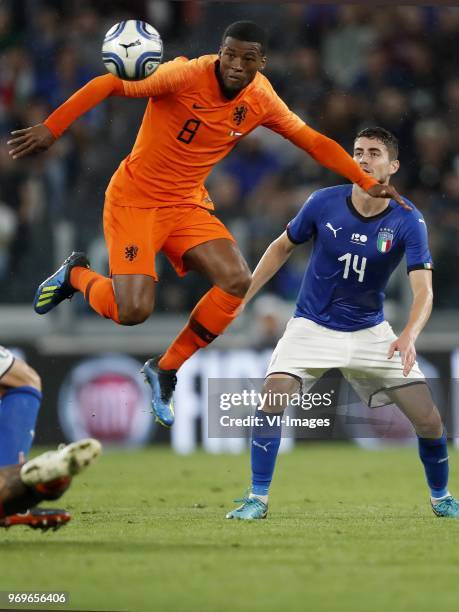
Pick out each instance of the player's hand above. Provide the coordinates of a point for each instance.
(387, 191)
(30, 140)
(404, 344)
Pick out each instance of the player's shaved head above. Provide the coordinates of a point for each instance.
(387, 138)
(247, 31)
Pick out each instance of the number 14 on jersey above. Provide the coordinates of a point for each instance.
(359, 269)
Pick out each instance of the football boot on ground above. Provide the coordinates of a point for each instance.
(38, 518)
(252, 508)
(448, 507)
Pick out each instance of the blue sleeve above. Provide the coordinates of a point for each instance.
(304, 225)
(417, 251)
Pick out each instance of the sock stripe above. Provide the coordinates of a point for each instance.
(210, 317)
(201, 331)
(88, 288)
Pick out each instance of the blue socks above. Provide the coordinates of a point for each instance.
(434, 456)
(18, 414)
(266, 437)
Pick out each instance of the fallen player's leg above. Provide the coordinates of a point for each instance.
(45, 477)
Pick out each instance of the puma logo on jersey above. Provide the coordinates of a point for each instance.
(330, 227)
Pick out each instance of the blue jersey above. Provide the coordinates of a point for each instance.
(353, 257)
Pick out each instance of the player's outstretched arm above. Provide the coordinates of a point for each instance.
(169, 77)
(421, 286)
(332, 155)
(40, 137)
(273, 259)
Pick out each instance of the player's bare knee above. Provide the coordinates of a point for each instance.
(277, 393)
(429, 425)
(237, 282)
(134, 314)
(22, 375)
(33, 378)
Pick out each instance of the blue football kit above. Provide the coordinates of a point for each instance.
(343, 289)
(353, 257)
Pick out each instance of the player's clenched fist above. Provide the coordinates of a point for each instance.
(33, 139)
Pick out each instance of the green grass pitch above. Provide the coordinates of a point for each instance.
(349, 530)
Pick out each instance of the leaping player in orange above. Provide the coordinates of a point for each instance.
(157, 201)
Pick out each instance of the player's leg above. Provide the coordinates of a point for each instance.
(76, 275)
(303, 354)
(415, 401)
(20, 399)
(198, 241)
(127, 299)
(45, 477)
(265, 442)
(380, 381)
(15, 496)
(131, 235)
(222, 263)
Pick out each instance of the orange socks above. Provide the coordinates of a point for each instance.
(97, 290)
(210, 317)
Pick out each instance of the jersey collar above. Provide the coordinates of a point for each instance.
(355, 212)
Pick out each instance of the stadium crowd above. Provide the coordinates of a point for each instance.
(341, 68)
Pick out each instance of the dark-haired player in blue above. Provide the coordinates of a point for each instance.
(339, 320)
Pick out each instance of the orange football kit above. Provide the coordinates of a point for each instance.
(157, 200)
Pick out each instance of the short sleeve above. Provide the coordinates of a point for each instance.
(417, 251)
(304, 225)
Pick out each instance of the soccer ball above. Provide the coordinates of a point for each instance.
(132, 50)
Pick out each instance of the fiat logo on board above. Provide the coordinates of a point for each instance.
(106, 398)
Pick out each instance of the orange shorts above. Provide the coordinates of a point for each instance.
(134, 235)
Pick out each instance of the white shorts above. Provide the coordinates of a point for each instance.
(6, 360)
(308, 350)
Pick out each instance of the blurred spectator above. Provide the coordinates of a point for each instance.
(250, 164)
(344, 46)
(340, 68)
(269, 314)
(378, 71)
(9, 36)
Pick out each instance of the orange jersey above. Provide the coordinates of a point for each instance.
(188, 127)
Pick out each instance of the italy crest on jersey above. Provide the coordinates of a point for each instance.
(385, 240)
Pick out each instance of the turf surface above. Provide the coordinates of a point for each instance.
(348, 530)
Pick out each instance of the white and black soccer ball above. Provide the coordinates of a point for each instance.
(132, 50)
